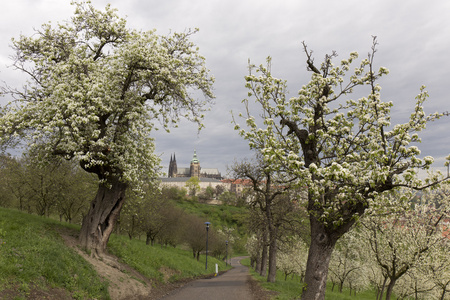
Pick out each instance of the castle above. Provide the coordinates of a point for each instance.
(193, 171)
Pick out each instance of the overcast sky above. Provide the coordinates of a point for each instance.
(413, 36)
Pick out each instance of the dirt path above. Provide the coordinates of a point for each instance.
(125, 283)
(232, 285)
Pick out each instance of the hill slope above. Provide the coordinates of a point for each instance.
(39, 259)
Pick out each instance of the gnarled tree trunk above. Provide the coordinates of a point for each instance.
(319, 255)
(99, 223)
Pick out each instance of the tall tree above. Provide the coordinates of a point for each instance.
(346, 151)
(95, 91)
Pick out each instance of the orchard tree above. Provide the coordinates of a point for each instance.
(76, 188)
(194, 234)
(438, 270)
(13, 182)
(96, 90)
(346, 260)
(272, 200)
(292, 258)
(345, 151)
(403, 241)
(414, 285)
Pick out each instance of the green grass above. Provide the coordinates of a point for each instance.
(33, 254)
(292, 288)
(155, 262)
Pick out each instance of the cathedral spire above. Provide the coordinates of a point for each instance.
(195, 166)
(170, 167)
(194, 158)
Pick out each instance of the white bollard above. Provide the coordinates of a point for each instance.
(217, 270)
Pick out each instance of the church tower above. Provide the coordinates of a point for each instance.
(195, 166)
(173, 170)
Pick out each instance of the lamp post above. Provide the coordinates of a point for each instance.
(207, 228)
(226, 255)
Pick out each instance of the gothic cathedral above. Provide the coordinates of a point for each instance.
(193, 171)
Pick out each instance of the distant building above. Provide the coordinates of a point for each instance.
(180, 182)
(178, 177)
(193, 171)
(237, 186)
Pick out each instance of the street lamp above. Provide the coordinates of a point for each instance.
(207, 228)
(226, 255)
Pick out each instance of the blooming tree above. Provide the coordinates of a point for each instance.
(96, 89)
(431, 276)
(438, 270)
(292, 258)
(403, 241)
(346, 261)
(346, 151)
(272, 201)
(414, 284)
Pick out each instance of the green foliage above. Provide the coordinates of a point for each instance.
(31, 252)
(193, 185)
(58, 187)
(173, 261)
(219, 215)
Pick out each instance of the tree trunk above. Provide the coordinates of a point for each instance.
(390, 288)
(99, 222)
(258, 263)
(382, 288)
(264, 258)
(319, 255)
(263, 269)
(271, 277)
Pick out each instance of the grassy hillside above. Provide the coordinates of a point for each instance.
(36, 263)
(34, 259)
(166, 264)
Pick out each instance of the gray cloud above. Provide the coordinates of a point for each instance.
(412, 35)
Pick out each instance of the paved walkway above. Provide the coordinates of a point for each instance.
(231, 285)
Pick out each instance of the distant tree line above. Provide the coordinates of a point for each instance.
(61, 189)
(58, 188)
(156, 217)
